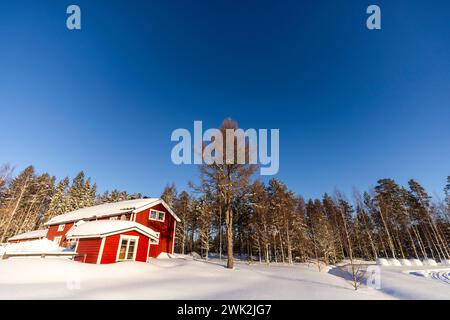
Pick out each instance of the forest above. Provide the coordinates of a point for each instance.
(231, 213)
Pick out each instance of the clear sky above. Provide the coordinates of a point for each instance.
(352, 105)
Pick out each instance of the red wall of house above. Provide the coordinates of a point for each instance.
(90, 247)
(166, 229)
(53, 232)
(112, 246)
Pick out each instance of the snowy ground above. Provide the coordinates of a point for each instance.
(185, 278)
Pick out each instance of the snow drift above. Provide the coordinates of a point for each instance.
(394, 262)
(405, 262)
(429, 262)
(416, 262)
(43, 245)
(382, 262)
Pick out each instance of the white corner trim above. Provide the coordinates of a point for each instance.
(148, 248)
(173, 237)
(100, 252)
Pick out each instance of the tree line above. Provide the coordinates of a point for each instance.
(231, 213)
(273, 224)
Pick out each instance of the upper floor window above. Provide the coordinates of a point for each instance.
(61, 227)
(157, 215)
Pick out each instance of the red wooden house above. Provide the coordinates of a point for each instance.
(106, 241)
(153, 222)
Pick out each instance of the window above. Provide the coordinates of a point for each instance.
(114, 218)
(153, 241)
(127, 248)
(157, 215)
(57, 240)
(61, 227)
(123, 217)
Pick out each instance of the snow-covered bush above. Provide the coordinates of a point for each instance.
(394, 262)
(429, 262)
(382, 262)
(195, 255)
(405, 262)
(416, 262)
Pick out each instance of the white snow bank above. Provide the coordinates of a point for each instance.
(382, 262)
(416, 262)
(164, 255)
(43, 245)
(429, 262)
(405, 262)
(394, 262)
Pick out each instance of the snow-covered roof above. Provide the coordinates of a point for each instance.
(102, 228)
(110, 209)
(36, 234)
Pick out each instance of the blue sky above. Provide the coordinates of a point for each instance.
(352, 105)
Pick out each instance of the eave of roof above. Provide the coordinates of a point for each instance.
(111, 233)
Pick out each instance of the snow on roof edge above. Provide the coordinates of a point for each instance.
(103, 228)
(29, 235)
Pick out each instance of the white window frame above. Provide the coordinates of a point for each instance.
(61, 227)
(157, 215)
(157, 241)
(57, 240)
(124, 237)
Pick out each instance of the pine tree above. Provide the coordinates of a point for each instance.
(259, 207)
(81, 193)
(16, 195)
(58, 202)
(169, 195)
(183, 207)
(319, 232)
(203, 213)
(421, 202)
(115, 196)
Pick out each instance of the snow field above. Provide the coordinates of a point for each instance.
(170, 278)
